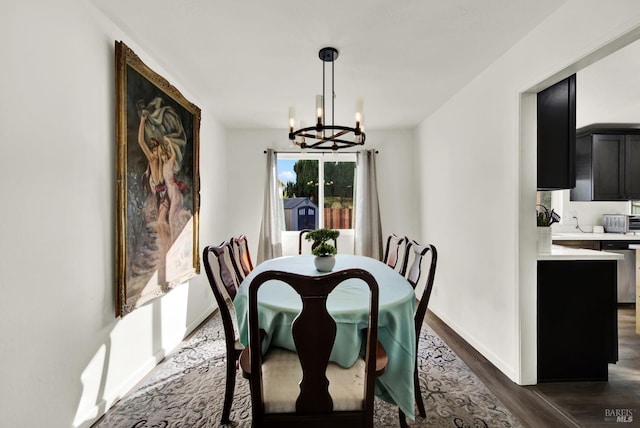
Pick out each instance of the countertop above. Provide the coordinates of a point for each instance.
(562, 253)
(579, 236)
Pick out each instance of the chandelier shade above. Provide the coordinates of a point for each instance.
(325, 136)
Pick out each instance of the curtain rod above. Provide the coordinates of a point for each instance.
(322, 152)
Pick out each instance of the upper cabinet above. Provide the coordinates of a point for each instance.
(557, 136)
(607, 163)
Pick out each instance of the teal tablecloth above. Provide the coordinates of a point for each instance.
(348, 304)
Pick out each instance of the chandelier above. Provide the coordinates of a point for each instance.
(322, 135)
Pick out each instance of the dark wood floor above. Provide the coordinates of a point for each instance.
(563, 404)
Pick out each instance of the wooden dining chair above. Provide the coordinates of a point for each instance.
(393, 250)
(304, 388)
(242, 256)
(301, 236)
(221, 271)
(412, 271)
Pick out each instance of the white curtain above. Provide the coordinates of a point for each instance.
(270, 244)
(368, 230)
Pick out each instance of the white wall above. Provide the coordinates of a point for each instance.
(607, 89)
(479, 156)
(589, 213)
(396, 179)
(64, 358)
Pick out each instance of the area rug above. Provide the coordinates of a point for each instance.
(187, 389)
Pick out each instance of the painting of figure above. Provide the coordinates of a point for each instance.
(157, 194)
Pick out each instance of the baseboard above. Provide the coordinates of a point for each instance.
(199, 320)
(93, 414)
(479, 347)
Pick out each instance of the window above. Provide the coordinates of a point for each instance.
(544, 198)
(317, 189)
(635, 207)
(553, 200)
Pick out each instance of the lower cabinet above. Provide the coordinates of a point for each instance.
(577, 319)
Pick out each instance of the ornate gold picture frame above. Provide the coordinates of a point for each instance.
(157, 184)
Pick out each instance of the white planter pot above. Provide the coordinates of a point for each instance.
(544, 239)
(324, 263)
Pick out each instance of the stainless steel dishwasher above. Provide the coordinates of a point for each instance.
(626, 268)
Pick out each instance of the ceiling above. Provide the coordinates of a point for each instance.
(249, 61)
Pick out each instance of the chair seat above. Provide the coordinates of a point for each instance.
(281, 375)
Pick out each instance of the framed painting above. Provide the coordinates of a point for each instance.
(157, 184)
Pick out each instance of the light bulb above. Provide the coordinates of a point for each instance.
(292, 118)
(319, 103)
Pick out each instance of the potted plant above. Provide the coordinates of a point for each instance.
(322, 249)
(544, 219)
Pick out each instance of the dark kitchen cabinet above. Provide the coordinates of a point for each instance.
(577, 319)
(632, 166)
(607, 163)
(556, 107)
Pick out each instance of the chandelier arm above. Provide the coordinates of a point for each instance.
(338, 134)
(336, 144)
(341, 141)
(311, 132)
(343, 128)
(332, 138)
(321, 140)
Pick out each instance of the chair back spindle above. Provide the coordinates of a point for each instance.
(242, 256)
(393, 250)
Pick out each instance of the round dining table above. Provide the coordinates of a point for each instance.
(348, 304)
